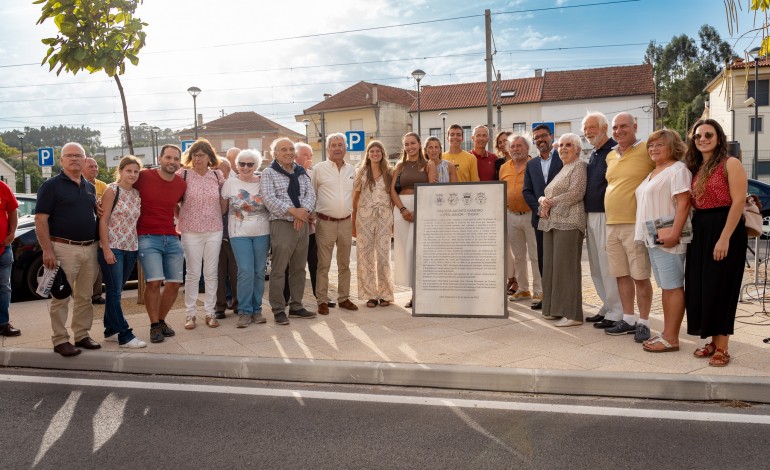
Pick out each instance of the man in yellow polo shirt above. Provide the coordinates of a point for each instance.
(521, 234)
(627, 165)
(464, 162)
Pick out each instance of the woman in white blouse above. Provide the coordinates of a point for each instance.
(663, 225)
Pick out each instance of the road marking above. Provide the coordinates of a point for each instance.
(399, 399)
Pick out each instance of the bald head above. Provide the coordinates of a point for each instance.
(91, 170)
(231, 154)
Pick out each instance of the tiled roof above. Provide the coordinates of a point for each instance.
(740, 64)
(474, 95)
(247, 121)
(360, 95)
(598, 83)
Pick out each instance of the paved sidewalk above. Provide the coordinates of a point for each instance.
(524, 345)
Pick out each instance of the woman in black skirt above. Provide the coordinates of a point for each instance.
(714, 266)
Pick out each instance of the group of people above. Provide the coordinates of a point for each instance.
(659, 206)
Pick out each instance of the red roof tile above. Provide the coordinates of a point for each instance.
(613, 81)
(474, 95)
(360, 95)
(245, 121)
(741, 64)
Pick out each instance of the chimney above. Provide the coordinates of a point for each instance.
(200, 119)
(538, 72)
(374, 94)
(327, 96)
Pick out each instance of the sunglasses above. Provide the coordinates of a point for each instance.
(248, 164)
(707, 135)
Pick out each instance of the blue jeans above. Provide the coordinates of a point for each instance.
(250, 256)
(6, 262)
(115, 277)
(162, 258)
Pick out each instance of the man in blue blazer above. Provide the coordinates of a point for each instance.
(540, 171)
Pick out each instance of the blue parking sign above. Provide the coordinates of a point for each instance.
(45, 156)
(356, 141)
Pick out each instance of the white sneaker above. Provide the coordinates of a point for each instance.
(566, 322)
(135, 343)
(113, 338)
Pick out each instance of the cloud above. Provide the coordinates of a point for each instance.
(535, 40)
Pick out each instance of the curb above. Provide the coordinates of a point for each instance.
(539, 381)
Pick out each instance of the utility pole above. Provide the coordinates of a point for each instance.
(323, 138)
(499, 103)
(488, 30)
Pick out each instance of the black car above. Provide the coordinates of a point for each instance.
(762, 191)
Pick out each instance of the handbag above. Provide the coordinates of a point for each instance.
(752, 216)
(397, 186)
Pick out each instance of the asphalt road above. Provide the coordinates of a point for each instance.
(69, 420)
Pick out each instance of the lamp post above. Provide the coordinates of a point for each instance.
(21, 135)
(418, 74)
(306, 122)
(194, 91)
(662, 104)
(155, 131)
(443, 115)
(755, 54)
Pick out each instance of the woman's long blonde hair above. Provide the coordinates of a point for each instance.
(366, 165)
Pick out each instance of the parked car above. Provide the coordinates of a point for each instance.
(762, 191)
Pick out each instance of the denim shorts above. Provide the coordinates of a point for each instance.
(162, 258)
(668, 268)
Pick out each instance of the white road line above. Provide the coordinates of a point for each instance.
(400, 399)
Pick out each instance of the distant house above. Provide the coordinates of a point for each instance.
(560, 97)
(243, 130)
(380, 111)
(8, 174)
(732, 98)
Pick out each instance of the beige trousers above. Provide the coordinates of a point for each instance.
(80, 266)
(327, 235)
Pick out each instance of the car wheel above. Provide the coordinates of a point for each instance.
(34, 274)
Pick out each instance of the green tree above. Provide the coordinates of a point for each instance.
(682, 69)
(54, 136)
(94, 35)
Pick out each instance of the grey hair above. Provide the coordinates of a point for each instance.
(600, 117)
(302, 145)
(574, 139)
(479, 127)
(523, 138)
(249, 153)
(625, 114)
(274, 144)
(336, 135)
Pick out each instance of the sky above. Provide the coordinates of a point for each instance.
(279, 58)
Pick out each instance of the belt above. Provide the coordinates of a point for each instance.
(72, 242)
(330, 219)
(518, 213)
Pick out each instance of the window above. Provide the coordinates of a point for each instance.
(435, 132)
(227, 144)
(761, 95)
(752, 124)
(255, 144)
(467, 143)
(519, 128)
(356, 124)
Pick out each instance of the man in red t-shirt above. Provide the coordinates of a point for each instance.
(484, 159)
(160, 251)
(9, 218)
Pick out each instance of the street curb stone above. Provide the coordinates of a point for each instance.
(537, 381)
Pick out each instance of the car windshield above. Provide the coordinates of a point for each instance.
(26, 205)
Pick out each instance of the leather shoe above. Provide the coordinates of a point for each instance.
(88, 343)
(348, 305)
(594, 319)
(98, 300)
(332, 304)
(66, 349)
(537, 306)
(323, 309)
(604, 324)
(6, 329)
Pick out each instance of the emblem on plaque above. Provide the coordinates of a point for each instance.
(439, 199)
(467, 198)
(453, 199)
(481, 198)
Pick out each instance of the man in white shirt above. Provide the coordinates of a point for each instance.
(333, 186)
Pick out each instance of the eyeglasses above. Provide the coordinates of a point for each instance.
(656, 145)
(73, 155)
(707, 135)
(248, 164)
(200, 155)
(541, 136)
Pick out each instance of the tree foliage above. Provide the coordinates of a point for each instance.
(682, 69)
(94, 35)
(54, 136)
(143, 136)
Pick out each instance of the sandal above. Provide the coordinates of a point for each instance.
(706, 351)
(384, 303)
(513, 286)
(371, 303)
(408, 304)
(667, 347)
(719, 358)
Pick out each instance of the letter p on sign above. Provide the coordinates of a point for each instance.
(356, 141)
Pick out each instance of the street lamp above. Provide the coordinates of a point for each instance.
(155, 131)
(756, 55)
(21, 135)
(662, 104)
(418, 74)
(194, 91)
(306, 122)
(443, 115)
